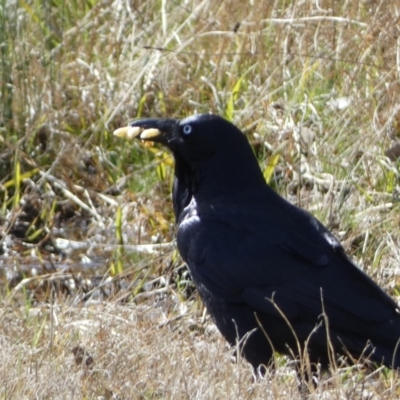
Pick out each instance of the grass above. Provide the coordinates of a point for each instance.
(71, 193)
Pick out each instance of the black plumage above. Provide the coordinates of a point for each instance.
(259, 261)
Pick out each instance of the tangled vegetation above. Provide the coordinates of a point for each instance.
(95, 299)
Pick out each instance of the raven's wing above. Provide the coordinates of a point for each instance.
(271, 255)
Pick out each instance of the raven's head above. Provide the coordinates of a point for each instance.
(195, 138)
(212, 156)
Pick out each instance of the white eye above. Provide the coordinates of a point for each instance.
(187, 129)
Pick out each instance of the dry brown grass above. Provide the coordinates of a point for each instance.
(135, 352)
(71, 73)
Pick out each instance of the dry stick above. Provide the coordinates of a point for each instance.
(66, 244)
(306, 355)
(50, 276)
(268, 338)
(331, 352)
(394, 352)
(316, 18)
(106, 199)
(302, 357)
(288, 324)
(61, 186)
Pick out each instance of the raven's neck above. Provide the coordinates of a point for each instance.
(182, 191)
(213, 179)
(182, 194)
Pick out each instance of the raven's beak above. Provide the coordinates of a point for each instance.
(156, 130)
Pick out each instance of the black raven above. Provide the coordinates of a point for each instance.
(272, 276)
